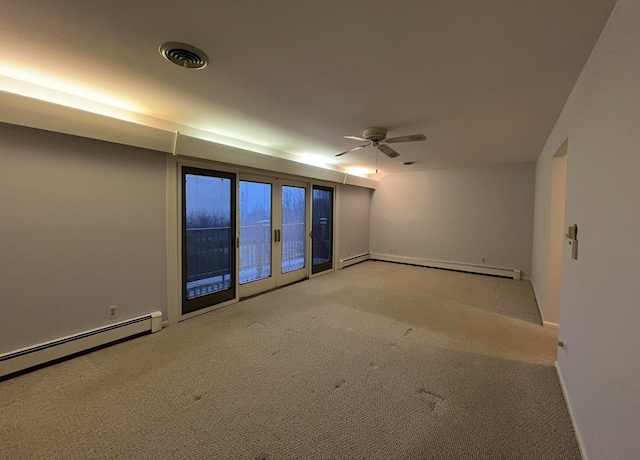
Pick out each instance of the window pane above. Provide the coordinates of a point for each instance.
(208, 235)
(293, 228)
(322, 246)
(255, 231)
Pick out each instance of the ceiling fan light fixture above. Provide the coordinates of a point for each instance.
(377, 137)
(184, 55)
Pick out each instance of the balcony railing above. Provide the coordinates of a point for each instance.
(209, 252)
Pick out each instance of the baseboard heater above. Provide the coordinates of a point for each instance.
(35, 355)
(353, 260)
(458, 266)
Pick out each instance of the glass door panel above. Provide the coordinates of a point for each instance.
(294, 216)
(322, 229)
(208, 235)
(255, 231)
(273, 223)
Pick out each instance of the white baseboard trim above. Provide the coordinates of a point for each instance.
(535, 294)
(547, 324)
(353, 260)
(35, 355)
(471, 268)
(563, 386)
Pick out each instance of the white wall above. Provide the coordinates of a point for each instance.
(457, 215)
(600, 313)
(82, 227)
(353, 220)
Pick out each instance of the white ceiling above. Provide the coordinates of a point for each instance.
(484, 80)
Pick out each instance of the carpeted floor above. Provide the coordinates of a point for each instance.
(377, 361)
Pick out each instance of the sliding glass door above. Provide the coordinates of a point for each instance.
(294, 231)
(270, 246)
(208, 236)
(272, 233)
(256, 217)
(322, 230)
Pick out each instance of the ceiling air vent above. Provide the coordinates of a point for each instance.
(184, 55)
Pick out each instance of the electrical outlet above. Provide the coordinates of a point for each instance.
(112, 311)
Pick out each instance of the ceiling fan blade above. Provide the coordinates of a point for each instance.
(355, 138)
(388, 151)
(351, 150)
(411, 138)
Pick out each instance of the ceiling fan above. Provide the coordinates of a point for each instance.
(377, 137)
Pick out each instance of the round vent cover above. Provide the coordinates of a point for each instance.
(184, 55)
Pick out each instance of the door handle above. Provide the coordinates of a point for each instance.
(279, 236)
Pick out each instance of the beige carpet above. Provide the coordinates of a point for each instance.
(377, 361)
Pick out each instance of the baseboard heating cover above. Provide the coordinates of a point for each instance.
(353, 260)
(471, 268)
(36, 355)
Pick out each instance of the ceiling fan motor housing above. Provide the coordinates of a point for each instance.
(375, 134)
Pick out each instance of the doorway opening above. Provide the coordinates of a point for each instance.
(556, 237)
